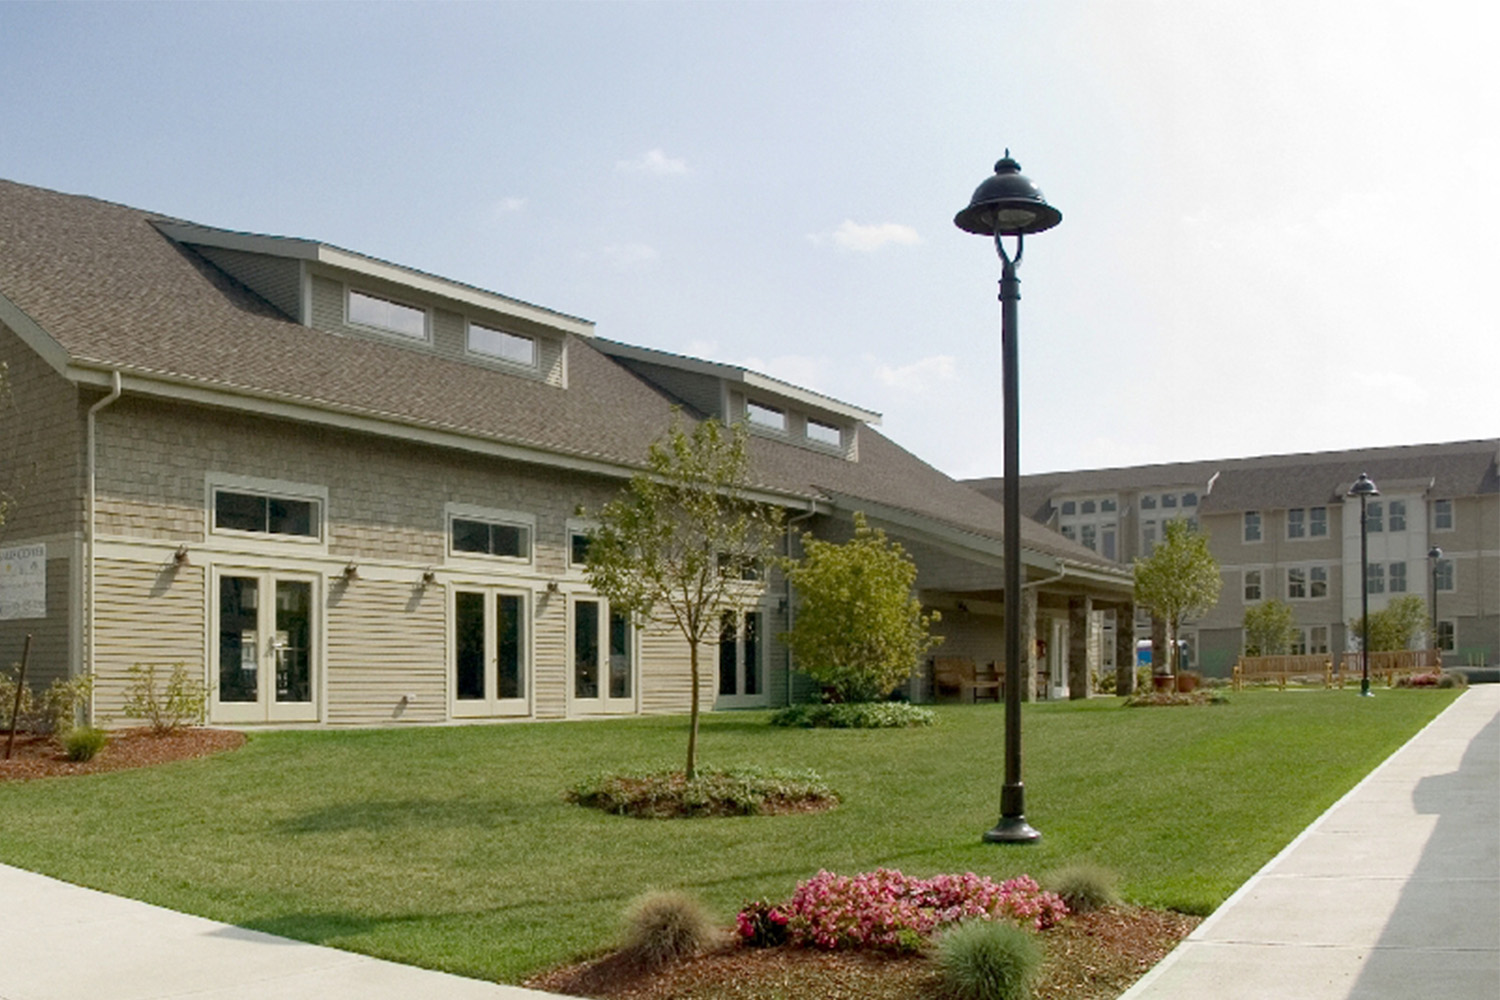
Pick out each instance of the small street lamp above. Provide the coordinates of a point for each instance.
(1364, 489)
(1007, 204)
(1435, 554)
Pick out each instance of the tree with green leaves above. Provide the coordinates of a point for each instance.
(684, 542)
(1270, 628)
(1396, 626)
(1179, 580)
(859, 627)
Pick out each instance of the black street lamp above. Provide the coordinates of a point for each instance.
(1435, 554)
(1008, 204)
(1364, 489)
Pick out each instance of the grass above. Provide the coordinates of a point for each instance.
(452, 847)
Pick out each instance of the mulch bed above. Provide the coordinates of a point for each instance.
(43, 757)
(1090, 956)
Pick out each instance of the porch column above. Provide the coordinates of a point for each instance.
(1080, 677)
(1028, 644)
(1124, 650)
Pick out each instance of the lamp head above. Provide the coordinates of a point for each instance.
(1363, 487)
(1007, 204)
(1434, 553)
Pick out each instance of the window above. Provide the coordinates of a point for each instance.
(1190, 499)
(1069, 508)
(1148, 501)
(1311, 640)
(1252, 525)
(1442, 515)
(1374, 516)
(1317, 522)
(1069, 532)
(1375, 578)
(1252, 585)
(822, 433)
(1397, 577)
(1317, 581)
(1169, 499)
(1296, 523)
(1107, 543)
(1442, 575)
(578, 549)
(1306, 582)
(1447, 635)
(1299, 643)
(768, 417)
(474, 531)
(384, 314)
(1396, 513)
(1087, 507)
(1107, 506)
(1148, 538)
(739, 654)
(265, 514)
(499, 344)
(1088, 537)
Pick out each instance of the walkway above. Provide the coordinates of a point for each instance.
(1393, 893)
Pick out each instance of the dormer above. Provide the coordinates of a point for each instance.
(349, 294)
(768, 406)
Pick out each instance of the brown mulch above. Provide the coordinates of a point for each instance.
(1090, 956)
(43, 757)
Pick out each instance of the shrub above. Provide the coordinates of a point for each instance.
(1084, 886)
(1105, 682)
(855, 715)
(761, 924)
(1429, 680)
(669, 794)
(176, 703)
(663, 927)
(53, 712)
(84, 742)
(989, 960)
(1157, 699)
(1453, 679)
(890, 911)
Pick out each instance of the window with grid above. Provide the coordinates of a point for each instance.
(1252, 585)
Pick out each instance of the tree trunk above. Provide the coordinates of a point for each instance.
(692, 756)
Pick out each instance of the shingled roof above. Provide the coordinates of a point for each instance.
(103, 289)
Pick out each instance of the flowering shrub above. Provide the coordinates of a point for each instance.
(888, 910)
(1421, 680)
(761, 924)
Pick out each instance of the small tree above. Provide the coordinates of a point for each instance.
(1180, 580)
(1396, 626)
(682, 539)
(859, 628)
(1270, 628)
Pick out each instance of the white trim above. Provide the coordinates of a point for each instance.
(482, 562)
(492, 706)
(257, 542)
(603, 704)
(33, 336)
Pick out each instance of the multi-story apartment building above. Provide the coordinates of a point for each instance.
(1284, 527)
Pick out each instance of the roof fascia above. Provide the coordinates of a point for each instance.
(267, 404)
(740, 375)
(332, 256)
(33, 336)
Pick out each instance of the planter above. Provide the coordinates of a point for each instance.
(1187, 682)
(1162, 682)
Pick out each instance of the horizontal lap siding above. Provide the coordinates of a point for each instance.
(143, 614)
(551, 659)
(665, 667)
(385, 641)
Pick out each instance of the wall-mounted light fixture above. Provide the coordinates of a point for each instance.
(351, 570)
(429, 576)
(180, 557)
(552, 587)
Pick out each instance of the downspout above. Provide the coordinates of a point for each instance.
(88, 583)
(787, 596)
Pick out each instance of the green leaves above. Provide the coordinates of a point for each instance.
(1395, 626)
(1270, 628)
(1181, 578)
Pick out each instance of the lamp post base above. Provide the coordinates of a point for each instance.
(1012, 830)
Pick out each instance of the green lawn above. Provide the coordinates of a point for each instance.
(452, 847)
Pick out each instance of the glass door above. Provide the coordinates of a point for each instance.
(265, 655)
(603, 680)
(489, 654)
(741, 670)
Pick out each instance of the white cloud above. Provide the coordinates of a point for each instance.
(630, 256)
(654, 161)
(507, 206)
(919, 376)
(851, 235)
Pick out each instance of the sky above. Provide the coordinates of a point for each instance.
(1278, 223)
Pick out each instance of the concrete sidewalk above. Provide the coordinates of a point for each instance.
(1393, 893)
(64, 942)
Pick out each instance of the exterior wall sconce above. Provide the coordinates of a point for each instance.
(429, 576)
(552, 587)
(351, 570)
(180, 557)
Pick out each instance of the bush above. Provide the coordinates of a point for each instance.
(669, 795)
(890, 911)
(1105, 682)
(662, 927)
(53, 712)
(855, 715)
(1157, 699)
(989, 960)
(1453, 679)
(1084, 886)
(761, 924)
(84, 742)
(177, 703)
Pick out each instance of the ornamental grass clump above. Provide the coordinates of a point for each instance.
(663, 927)
(672, 795)
(989, 960)
(1084, 886)
(84, 743)
(889, 911)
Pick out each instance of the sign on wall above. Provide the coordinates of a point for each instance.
(23, 582)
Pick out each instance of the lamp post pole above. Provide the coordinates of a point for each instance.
(1364, 488)
(1435, 554)
(1007, 204)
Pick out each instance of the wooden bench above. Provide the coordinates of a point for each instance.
(1391, 665)
(1282, 669)
(958, 675)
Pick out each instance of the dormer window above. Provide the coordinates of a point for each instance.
(502, 345)
(387, 315)
(821, 433)
(769, 417)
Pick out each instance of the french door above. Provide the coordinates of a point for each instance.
(604, 661)
(490, 653)
(266, 653)
(741, 667)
